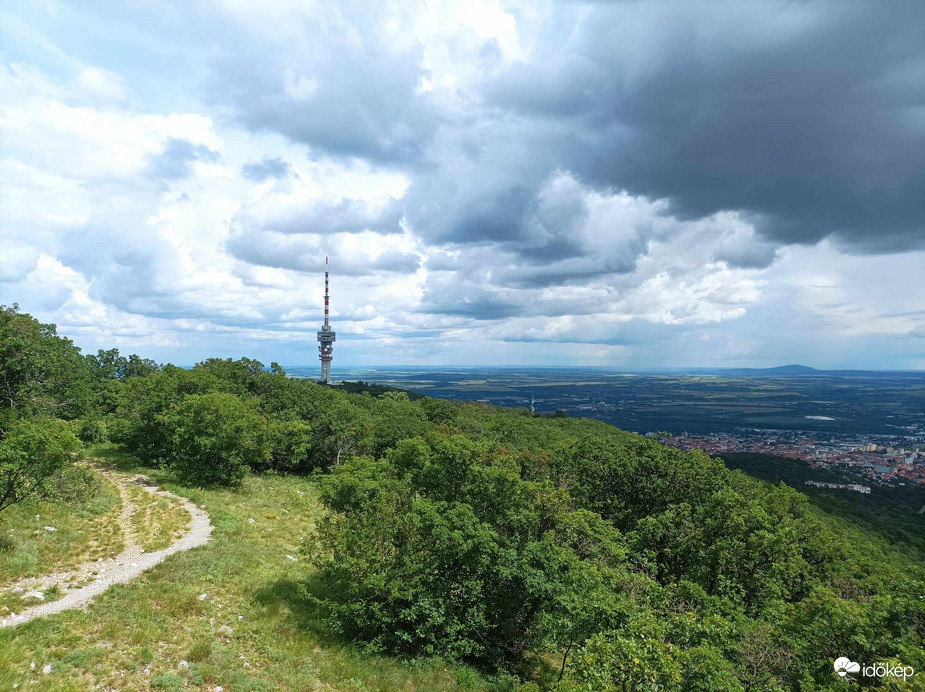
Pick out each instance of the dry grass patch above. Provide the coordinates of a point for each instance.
(79, 523)
(158, 520)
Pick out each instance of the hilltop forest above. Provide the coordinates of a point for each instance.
(541, 552)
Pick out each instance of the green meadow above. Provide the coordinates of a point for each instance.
(252, 631)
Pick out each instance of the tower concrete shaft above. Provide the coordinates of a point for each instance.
(326, 335)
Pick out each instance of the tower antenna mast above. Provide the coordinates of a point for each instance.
(326, 335)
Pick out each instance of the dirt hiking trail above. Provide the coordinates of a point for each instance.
(99, 575)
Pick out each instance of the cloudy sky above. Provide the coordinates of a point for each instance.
(605, 183)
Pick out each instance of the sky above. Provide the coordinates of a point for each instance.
(623, 184)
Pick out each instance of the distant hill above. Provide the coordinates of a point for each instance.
(784, 371)
(806, 371)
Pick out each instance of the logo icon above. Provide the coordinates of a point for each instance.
(844, 665)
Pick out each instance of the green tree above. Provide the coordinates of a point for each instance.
(396, 419)
(762, 657)
(92, 430)
(241, 373)
(215, 438)
(408, 575)
(111, 365)
(442, 548)
(439, 411)
(705, 669)
(342, 430)
(145, 403)
(291, 445)
(292, 399)
(589, 597)
(108, 369)
(136, 366)
(41, 373)
(635, 478)
(107, 365)
(31, 452)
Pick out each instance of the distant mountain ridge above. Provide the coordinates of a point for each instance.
(796, 370)
(793, 370)
(372, 373)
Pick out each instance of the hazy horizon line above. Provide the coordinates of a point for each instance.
(660, 368)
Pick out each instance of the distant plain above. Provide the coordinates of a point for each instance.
(889, 403)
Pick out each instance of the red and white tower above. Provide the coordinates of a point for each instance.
(326, 335)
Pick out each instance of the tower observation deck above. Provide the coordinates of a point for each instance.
(326, 335)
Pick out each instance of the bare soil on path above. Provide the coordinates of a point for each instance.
(81, 584)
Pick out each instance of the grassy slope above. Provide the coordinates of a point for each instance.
(251, 632)
(158, 521)
(83, 531)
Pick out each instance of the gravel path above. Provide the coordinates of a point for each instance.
(126, 566)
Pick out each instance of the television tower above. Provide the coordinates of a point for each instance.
(326, 335)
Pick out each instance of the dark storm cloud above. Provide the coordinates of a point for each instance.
(810, 116)
(633, 332)
(559, 274)
(807, 117)
(469, 294)
(751, 256)
(509, 269)
(744, 251)
(343, 88)
(497, 215)
(482, 183)
(284, 252)
(177, 158)
(480, 307)
(268, 167)
(479, 293)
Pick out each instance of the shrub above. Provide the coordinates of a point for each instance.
(215, 437)
(146, 403)
(396, 419)
(435, 567)
(167, 681)
(342, 431)
(92, 430)
(30, 455)
(200, 650)
(75, 484)
(291, 441)
(613, 665)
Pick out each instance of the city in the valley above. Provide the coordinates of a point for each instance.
(870, 425)
(880, 459)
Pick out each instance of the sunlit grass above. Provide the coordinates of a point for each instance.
(231, 610)
(49, 536)
(157, 520)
